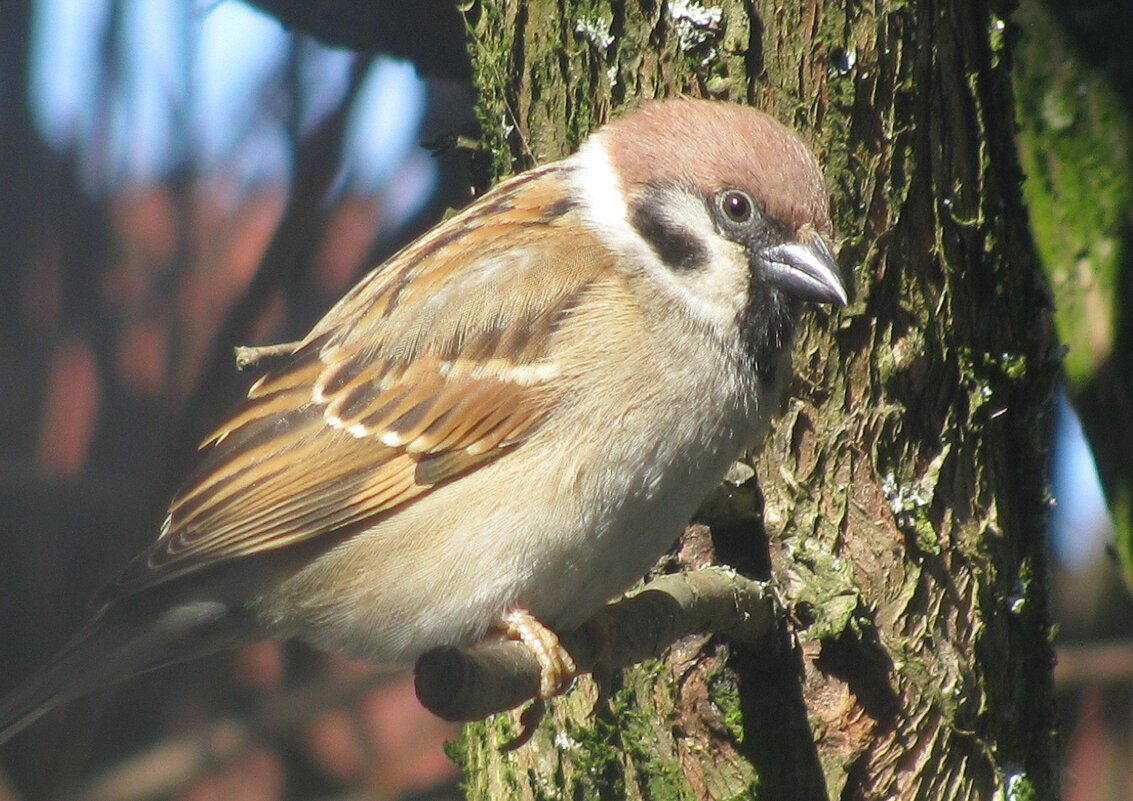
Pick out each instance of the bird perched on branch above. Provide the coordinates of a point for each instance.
(503, 426)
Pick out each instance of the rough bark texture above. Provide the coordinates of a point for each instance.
(902, 500)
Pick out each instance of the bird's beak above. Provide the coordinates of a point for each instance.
(805, 268)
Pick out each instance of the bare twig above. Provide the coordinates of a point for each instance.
(463, 684)
(1094, 663)
(496, 674)
(248, 357)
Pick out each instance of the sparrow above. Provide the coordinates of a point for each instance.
(502, 427)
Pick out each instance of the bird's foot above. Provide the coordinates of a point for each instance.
(557, 669)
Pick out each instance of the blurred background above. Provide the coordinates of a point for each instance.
(177, 178)
(180, 177)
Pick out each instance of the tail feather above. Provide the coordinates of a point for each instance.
(111, 648)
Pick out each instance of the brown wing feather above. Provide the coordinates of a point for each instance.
(423, 372)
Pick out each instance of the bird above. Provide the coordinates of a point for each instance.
(502, 427)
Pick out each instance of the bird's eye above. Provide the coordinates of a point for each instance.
(737, 206)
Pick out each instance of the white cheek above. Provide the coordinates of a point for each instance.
(603, 201)
(716, 291)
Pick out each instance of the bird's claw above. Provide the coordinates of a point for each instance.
(557, 668)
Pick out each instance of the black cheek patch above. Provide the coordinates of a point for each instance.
(672, 243)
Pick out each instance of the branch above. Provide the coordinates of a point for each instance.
(248, 357)
(495, 674)
(463, 684)
(430, 33)
(1093, 663)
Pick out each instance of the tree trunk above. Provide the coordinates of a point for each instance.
(900, 509)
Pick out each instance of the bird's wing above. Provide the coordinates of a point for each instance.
(432, 366)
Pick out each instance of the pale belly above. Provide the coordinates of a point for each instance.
(444, 569)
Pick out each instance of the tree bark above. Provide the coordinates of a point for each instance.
(900, 508)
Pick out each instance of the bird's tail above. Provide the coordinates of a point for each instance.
(112, 647)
